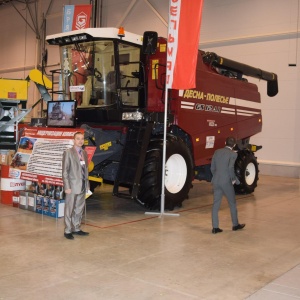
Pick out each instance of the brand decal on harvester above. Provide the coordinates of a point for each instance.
(200, 106)
(218, 109)
(247, 108)
(193, 94)
(207, 107)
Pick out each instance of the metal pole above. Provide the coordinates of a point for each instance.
(162, 199)
(94, 4)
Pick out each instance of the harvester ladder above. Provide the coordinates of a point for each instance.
(132, 160)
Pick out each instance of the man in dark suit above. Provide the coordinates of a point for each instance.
(222, 168)
(76, 183)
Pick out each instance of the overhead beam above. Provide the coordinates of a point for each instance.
(128, 10)
(157, 13)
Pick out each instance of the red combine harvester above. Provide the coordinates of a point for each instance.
(119, 85)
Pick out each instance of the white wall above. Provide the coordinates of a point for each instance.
(261, 33)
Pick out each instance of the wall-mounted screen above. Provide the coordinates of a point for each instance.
(61, 113)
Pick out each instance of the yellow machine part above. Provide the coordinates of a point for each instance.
(37, 77)
(17, 89)
(93, 178)
(97, 179)
(14, 89)
(91, 166)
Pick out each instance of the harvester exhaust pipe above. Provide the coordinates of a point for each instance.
(242, 69)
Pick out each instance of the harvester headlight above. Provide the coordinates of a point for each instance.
(132, 116)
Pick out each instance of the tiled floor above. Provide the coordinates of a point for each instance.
(284, 287)
(133, 255)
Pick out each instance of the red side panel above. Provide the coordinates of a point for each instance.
(217, 108)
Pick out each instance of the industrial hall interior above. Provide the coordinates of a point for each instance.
(149, 149)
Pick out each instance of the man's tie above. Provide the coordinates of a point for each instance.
(82, 165)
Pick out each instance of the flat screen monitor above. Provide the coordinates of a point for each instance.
(61, 113)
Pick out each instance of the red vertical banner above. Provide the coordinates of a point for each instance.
(183, 42)
(82, 16)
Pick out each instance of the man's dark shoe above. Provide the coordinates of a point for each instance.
(239, 226)
(69, 236)
(80, 232)
(216, 230)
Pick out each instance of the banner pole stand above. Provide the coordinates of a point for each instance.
(162, 214)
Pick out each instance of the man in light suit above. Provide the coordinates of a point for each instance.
(222, 168)
(76, 183)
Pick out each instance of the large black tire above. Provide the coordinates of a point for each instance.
(178, 178)
(246, 169)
